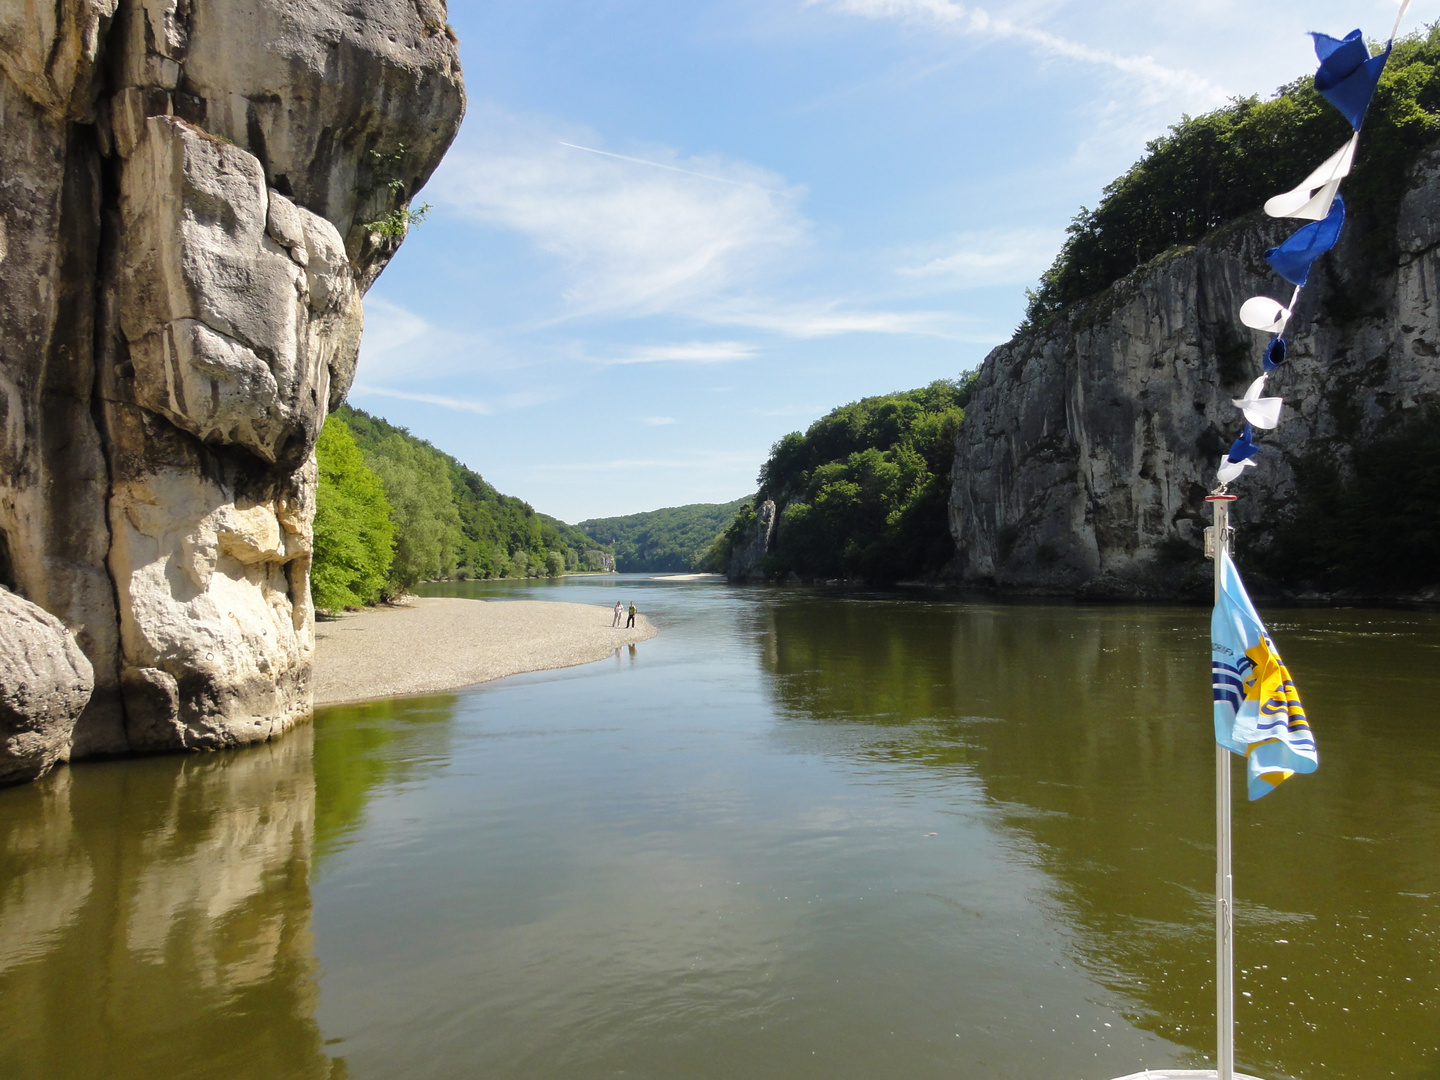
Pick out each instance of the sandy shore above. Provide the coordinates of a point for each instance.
(432, 644)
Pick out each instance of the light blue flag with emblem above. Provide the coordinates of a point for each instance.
(1257, 708)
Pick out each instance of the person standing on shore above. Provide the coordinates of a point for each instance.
(619, 613)
(631, 621)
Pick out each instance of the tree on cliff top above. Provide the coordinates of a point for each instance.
(1213, 169)
(864, 491)
(354, 539)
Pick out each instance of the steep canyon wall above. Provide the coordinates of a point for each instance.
(194, 196)
(1090, 443)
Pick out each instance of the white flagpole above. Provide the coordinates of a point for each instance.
(1224, 878)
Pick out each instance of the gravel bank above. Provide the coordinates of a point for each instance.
(432, 644)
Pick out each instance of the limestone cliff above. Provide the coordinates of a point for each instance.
(746, 562)
(194, 195)
(1090, 443)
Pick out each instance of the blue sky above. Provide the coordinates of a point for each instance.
(669, 233)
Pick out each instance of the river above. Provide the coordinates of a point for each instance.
(799, 834)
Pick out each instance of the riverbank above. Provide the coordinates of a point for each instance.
(431, 644)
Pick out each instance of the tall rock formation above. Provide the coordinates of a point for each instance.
(1090, 443)
(748, 555)
(194, 196)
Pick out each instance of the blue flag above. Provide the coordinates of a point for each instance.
(1292, 259)
(1257, 708)
(1274, 355)
(1348, 73)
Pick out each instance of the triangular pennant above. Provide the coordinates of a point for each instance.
(1274, 354)
(1348, 73)
(1263, 412)
(1311, 198)
(1262, 313)
(1292, 258)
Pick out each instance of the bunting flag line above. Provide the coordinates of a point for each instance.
(1258, 714)
(1346, 78)
(1311, 198)
(1348, 73)
(1293, 258)
(1262, 412)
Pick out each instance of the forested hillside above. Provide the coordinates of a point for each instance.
(444, 519)
(863, 492)
(674, 539)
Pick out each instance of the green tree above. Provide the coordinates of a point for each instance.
(1212, 169)
(422, 507)
(554, 563)
(493, 527)
(864, 492)
(354, 537)
(674, 538)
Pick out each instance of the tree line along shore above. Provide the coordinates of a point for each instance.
(392, 511)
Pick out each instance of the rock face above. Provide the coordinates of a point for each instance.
(1089, 445)
(45, 682)
(194, 196)
(747, 556)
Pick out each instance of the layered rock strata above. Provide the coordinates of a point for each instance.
(1089, 444)
(194, 196)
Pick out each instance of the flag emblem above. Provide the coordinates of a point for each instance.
(1258, 714)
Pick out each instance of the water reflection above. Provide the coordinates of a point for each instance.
(1088, 728)
(155, 920)
(795, 835)
(361, 748)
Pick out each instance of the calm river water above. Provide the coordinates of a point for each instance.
(799, 834)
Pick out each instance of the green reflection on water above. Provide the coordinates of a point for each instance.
(366, 746)
(509, 882)
(1088, 729)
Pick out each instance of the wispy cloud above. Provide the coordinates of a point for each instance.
(997, 257)
(446, 401)
(635, 235)
(969, 19)
(693, 352)
(483, 408)
(829, 319)
(401, 346)
(658, 421)
(792, 410)
(668, 168)
(705, 461)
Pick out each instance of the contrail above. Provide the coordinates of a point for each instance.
(672, 168)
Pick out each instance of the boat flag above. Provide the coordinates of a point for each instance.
(1258, 714)
(1312, 196)
(1263, 412)
(1274, 355)
(1293, 257)
(1348, 73)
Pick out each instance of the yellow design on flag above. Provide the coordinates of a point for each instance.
(1257, 708)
